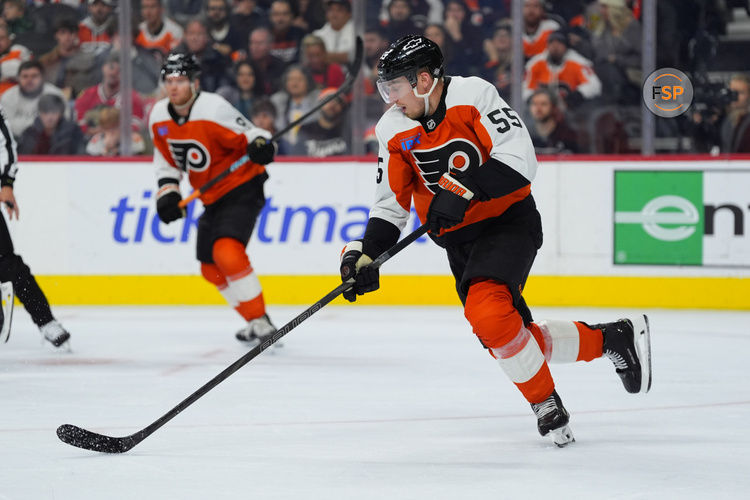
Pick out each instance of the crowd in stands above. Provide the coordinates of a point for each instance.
(275, 59)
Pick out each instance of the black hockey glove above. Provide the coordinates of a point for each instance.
(355, 264)
(449, 204)
(261, 150)
(167, 203)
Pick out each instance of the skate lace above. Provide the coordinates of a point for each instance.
(545, 407)
(617, 359)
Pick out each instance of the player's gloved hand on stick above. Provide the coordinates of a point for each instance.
(355, 264)
(449, 204)
(261, 150)
(167, 203)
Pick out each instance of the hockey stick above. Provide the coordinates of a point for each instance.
(345, 87)
(82, 438)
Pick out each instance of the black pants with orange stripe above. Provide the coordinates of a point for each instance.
(15, 270)
(503, 251)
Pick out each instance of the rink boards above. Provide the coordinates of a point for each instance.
(624, 233)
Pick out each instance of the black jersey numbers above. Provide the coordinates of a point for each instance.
(379, 178)
(497, 118)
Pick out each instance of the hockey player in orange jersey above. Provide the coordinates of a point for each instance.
(201, 134)
(465, 158)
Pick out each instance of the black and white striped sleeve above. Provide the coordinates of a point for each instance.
(8, 156)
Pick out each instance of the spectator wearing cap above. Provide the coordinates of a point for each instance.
(107, 93)
(268, 68)
(215, 68)
(338, 32)
(225, 37)
(21, 102)
(564, 70)
(95, 31)
(536, 28)
(51, 133)
(286, 36)
(11, 57)
(399, 22)
(617, 52)
(314, 58)
(157, 32)
(323, 137)
(106, 140)
(549, 131)
(498, 53)
(16, 16)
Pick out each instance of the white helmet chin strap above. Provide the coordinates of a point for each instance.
(426, 96)
(189, 102)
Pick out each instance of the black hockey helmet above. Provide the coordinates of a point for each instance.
(181, 64)
(407, 55)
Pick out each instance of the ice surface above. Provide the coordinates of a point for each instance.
(365, 403)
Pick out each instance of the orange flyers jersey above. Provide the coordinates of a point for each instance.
(575, 71)
(165, 40)
(477, 125)
(213, 138)
(536, 43)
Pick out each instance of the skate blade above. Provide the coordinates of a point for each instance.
(642, 340)
(563, 436)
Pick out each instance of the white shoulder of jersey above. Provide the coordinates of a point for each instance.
(392, 122)
(465, 90)
(159, 112)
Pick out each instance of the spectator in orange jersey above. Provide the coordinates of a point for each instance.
(536, 28)
(564, 70)
(11, 57)
(95, 31)
(314, 58)
(157, 32)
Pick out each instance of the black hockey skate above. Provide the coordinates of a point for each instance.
(256, 330)
(627, 343)
(552, 417)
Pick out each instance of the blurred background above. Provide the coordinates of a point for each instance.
(79, 77)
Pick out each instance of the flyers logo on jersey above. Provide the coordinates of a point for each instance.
(454, 155)
(189, 155)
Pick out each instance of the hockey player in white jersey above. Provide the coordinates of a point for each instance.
(464, 157)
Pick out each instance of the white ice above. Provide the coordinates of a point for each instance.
(366, 403)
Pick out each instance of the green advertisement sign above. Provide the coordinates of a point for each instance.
(659, 217)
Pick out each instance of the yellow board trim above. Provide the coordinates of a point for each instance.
(594, 291)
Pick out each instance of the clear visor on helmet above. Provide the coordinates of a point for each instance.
(393, 90)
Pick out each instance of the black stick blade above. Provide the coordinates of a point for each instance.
(81, 438)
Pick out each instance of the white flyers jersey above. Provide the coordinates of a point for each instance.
(211, 139)
(471, 125)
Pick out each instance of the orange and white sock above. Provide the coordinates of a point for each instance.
(243, 290)
(567, 341)
(489, 308)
